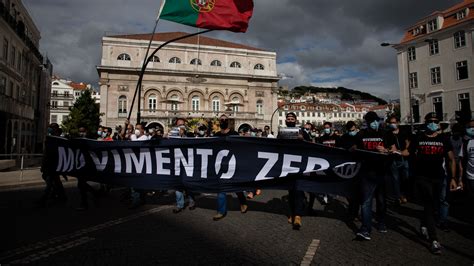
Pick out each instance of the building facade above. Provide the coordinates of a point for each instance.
(25, 82)
(435, 65)
(64, 94)
(197, 77)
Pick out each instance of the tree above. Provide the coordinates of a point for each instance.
(84, 113)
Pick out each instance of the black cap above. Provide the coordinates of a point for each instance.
(371, 116)
(431, 115)
(291, 114)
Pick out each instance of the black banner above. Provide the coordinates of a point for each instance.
(207, 164)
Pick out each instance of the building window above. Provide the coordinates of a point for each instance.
(13, 56)
(3, 85)
(122, 106)
(235, 104)
(432, 25)
(216, 63)
(216, 104)
(413, 80)
(66, 94)
(54, 104)
(464, 104)
(459, 39)
(155, 59)
(66, 104)
(55, 94)
(174, 99)
(434, 47)
(260, 107)
(461, 14)
(416, 112)
(195, 103)
(5, 50)
(196, 61)
(235, 64)
(461, 69)
(175, 60)
(54, 118)
(438, 106)
(124, 57)
(152, 102)
(435, 75)
(411, 53)
(77, 94)
(259, 67)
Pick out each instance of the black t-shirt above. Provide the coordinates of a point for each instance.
(430, 154)
(399, 140)
(328, 140)
(369, 140)
(347, 141)
(230, 133)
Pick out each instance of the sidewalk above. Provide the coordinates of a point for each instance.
(31, 177)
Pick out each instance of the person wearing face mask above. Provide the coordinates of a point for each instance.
(398, 159)
(329, 138)
(100, 133)
(137, 195)
(466, 162)
(107, 134)
(296, 198)
(431, 149)
(372, 176)
(139, 133)
(225, 131)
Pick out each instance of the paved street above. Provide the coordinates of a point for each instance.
(110, 233)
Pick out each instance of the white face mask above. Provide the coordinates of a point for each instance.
(137, 132)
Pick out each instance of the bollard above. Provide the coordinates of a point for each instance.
(21, 169)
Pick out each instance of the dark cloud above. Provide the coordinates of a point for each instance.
(310, 36)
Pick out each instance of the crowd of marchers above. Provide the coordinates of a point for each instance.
(423, 166)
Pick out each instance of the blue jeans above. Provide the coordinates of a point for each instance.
(180, 199)
(399, 173)
(222, 201)
(372, 186)
(443, 202)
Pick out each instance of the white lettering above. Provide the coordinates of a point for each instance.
(160, 161)
(286, 167)
(204, 153)
(66, 162)
(117, 161)
(179, 160)
(313, 162)
(145, 159)
(272, 158)
(232, 164)
(100, 164)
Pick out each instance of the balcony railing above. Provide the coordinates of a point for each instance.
(160, 113)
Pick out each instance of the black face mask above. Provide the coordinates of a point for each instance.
(224, 124)
(291, 124)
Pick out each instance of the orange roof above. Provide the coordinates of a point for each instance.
(449, 20)
(203, 40)
(78, 86)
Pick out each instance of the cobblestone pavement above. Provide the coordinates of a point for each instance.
(110, 233)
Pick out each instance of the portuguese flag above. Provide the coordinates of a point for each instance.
(233, 15)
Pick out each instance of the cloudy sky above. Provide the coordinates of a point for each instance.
(318, 42)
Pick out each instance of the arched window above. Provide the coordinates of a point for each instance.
(174, 105)
(216, 104)
(195, 103)
(259, 67)
(175, 60)
(235, 64)
(124, 57)
(155, 59)
(56, 83)
(235, 104)
(122, 106)
(260, 107)
(216, 63)
(152, 102)
(196, 61)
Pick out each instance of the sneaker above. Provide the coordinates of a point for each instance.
(363, 235)
(178, 210)
(436, 248)
(218, 216)
(297, 223)
(243, 208)
(424, 233)
(382, 228)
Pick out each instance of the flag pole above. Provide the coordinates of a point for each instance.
(142, 72)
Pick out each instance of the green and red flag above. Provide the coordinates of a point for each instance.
(233, 15)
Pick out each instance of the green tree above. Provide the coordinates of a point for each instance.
(84, 113)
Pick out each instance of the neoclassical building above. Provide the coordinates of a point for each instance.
(197, 77)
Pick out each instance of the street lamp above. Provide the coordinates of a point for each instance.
(385, 44)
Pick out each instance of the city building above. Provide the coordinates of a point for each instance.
(64, 94)
(435, 65)
(25, 82)
(197, 77)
